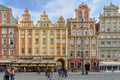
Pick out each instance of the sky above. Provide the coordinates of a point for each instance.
(56, 8)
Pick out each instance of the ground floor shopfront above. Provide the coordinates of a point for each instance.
(32, 65)
(109, 67)
(76, 64)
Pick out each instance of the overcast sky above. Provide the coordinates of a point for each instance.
(56, 8)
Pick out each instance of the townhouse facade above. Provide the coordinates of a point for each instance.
(43, 44)
(109, 39)
(82, 40)
(8, 36)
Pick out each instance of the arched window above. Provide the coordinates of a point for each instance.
(71, 65)
(87, 41)
(94, 64)
(93, 41)
(78, 65)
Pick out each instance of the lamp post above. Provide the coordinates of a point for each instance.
(75, 43)
(82, 50)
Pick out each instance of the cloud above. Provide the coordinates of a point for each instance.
(35, 16)
(56, 8)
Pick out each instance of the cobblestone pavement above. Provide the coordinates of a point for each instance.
(71, 76)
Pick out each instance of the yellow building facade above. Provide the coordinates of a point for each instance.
(43, 44)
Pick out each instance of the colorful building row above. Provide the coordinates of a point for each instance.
(64, 44)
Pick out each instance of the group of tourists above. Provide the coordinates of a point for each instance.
(62, 73)
(9, 73)
(51, 76)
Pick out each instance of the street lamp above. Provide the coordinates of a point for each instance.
(75, 34)
(82, 50)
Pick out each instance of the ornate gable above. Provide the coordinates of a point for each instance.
(82, 12)
(61, 22)
(111, 6)
(26, 20)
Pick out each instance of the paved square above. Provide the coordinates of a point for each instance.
(71, 76)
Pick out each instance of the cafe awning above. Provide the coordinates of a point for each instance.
(109, 63)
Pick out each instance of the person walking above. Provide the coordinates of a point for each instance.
(12, 73)
(52, 76)
(38, 70)
(6, 72)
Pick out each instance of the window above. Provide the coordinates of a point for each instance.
(25, 24)
(4, 52)
(108, 29)
(87, 53)
(52, 50)
(51, 32)
(94, 64)
(79, 33)
(44, 32)
(4, 30)
(102, 55)
(44, 40)
(22, 41)
(22, 32)
(29, 50)
(71, 65)
(44, 50)
(58, 32)
(58, 50)
(114, 28)
(108, 14)
(36, 41)
(37, 32)
(29, 33)
(93, 41)
(108, 55)
(103, 29)
(11, 52)
(79, 53)
(4, 15)
(51, 41)
(58, 41)
(91, 33)
(72, 53)
(78, 65)
(4, 21)
(36, 50)
(29, 41)
(87, 41)
(114, 44)
(63, 50)
(94, 53)
(11, 30)
(79, 41)
(108, 43)
(4, 41)
(71, 41)
(11, 41)
(86, 33)
(102, 43)
(63, 32)
(63, 41)
(23, 50)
